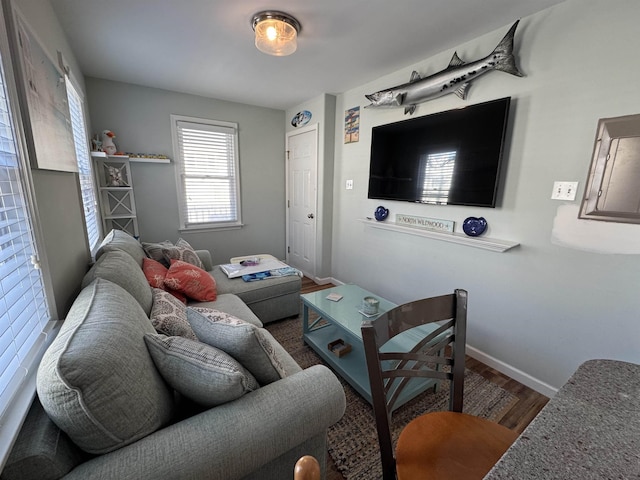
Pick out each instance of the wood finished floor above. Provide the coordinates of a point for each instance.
(528, 405)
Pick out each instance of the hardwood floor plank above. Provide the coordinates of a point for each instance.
(522, 412)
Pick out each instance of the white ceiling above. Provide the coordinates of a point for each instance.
(205, 47)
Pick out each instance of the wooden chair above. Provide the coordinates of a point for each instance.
(438, 445)
(307, 468)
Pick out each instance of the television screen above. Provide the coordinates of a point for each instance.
(448, 158)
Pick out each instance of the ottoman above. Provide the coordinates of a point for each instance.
(271, 299)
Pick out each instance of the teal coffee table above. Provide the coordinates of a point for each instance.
(340, 321)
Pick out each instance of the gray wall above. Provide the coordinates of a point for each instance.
(538, 311)
(567, 294)
(140, 118)
(57, 197)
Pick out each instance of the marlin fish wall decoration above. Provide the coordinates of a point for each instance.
(456, 78)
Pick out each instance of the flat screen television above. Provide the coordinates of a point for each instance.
(447, 158)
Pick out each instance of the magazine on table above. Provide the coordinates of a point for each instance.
(235, 270)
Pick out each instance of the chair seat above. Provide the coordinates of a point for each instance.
(450, 445)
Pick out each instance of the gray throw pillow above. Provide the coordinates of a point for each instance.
(154, 251)
(182, 250)
(254, 347)
(169, 315)
(202, 373)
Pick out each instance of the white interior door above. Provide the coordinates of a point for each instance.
(302, 151)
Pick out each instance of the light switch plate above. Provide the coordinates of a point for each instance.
(564, 191)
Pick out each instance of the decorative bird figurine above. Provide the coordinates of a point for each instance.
(107, 142)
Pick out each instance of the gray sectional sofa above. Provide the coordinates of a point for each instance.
(105, 410)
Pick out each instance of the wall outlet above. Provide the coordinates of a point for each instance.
(349, 184)
(564, 191)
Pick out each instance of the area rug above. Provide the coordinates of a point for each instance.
(353, 441)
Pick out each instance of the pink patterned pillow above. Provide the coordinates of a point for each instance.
(155, 274)
(192, 281)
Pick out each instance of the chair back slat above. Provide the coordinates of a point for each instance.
(420, 357)
(391, 371)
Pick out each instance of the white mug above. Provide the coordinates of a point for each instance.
(370, 305)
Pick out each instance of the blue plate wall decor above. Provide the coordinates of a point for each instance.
(474, 226)
(301, 118)
(381, 213)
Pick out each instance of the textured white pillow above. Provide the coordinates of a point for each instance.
(182, 250)
(254, 347)
(169, 315)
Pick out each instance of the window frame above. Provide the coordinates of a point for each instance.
(13, 415)
(183, 205)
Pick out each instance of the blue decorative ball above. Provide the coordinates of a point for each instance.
(474, 226)
(381, 213)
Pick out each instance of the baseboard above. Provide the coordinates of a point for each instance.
(512, 372)
(324, 281)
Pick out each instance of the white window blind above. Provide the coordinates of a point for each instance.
(24, 313)
(85, 172)
(208, 183)
(437, 174)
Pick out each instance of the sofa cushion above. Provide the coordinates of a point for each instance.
(120, 240)
(271, 299)
(254, 347)
(97, 381)
(42, 451)
(117, 267)
(194, 282)
(182, 250)
(202, 373)
(252, 292)
(169, 315)
(231, 304)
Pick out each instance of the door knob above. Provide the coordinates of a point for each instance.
(310, 215)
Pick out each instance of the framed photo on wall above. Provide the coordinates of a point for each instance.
(352, 125)
(43, 99)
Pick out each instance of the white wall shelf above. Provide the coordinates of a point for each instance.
(133, 158)
(485, 243)
(150, 159)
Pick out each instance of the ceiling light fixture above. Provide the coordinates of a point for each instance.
(276, 32)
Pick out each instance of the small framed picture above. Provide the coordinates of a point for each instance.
(352, 125)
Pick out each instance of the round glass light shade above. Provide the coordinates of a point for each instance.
(275, 36)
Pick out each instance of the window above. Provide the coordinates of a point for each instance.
(25, 325)
(85, 173)
(206, 155)
(437, 173)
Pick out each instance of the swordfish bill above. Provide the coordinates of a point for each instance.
(456, 78)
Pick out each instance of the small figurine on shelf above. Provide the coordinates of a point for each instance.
(96, 143)
(115, 178)
(107, 142)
